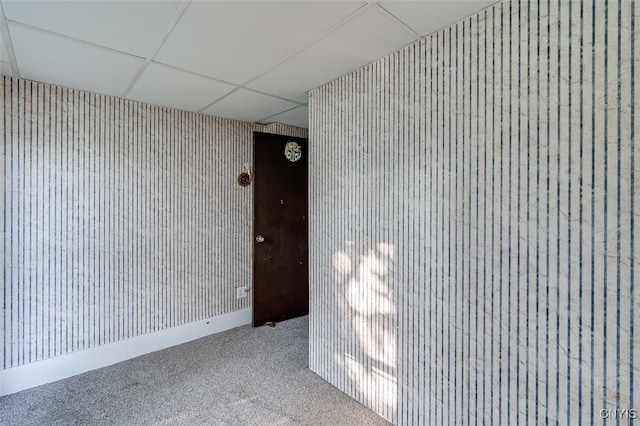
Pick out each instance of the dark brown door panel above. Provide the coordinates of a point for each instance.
(280, 247)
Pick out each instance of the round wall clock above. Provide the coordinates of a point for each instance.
(244, 179)
(292, 151)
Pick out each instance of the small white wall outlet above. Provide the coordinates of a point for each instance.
(241, 292)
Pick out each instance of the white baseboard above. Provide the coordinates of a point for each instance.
(39, 373)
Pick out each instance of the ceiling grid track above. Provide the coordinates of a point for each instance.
(8, 44)
(322, 35)
(170, 26)
(400, 21)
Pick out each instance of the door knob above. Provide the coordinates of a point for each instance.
(259, 239)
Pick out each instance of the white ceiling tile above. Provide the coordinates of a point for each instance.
(161, 85)
(134, 27)
(295, 117)
(368, 37)
(234, 41)
(246, 105)
(4, 52)
(237, 41)
(69, 63)
(428, 16)
(5, 68)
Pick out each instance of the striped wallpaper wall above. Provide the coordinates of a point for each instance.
(118, 218)
(474, 221)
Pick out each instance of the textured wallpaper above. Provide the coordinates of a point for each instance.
(474, 221)
(118, 218)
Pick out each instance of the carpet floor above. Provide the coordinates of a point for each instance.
(244, 376)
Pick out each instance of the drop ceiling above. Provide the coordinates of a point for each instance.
(250, 61)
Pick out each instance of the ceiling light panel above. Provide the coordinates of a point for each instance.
(246, 105)
(69, 63)
(238, 41)
(161, 85)
(426, 17)
(369, 36)
(134, 27)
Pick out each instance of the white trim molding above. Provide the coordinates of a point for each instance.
(50, 370)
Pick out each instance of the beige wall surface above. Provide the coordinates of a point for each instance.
(474, 220)
(118, 218)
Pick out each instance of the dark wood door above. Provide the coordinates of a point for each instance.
(280, 246)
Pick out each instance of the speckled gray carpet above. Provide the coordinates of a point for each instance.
(244, 376)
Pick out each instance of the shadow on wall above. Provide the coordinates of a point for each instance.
(366, 302)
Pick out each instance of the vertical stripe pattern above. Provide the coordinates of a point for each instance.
(118, 218)
(473, 221)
